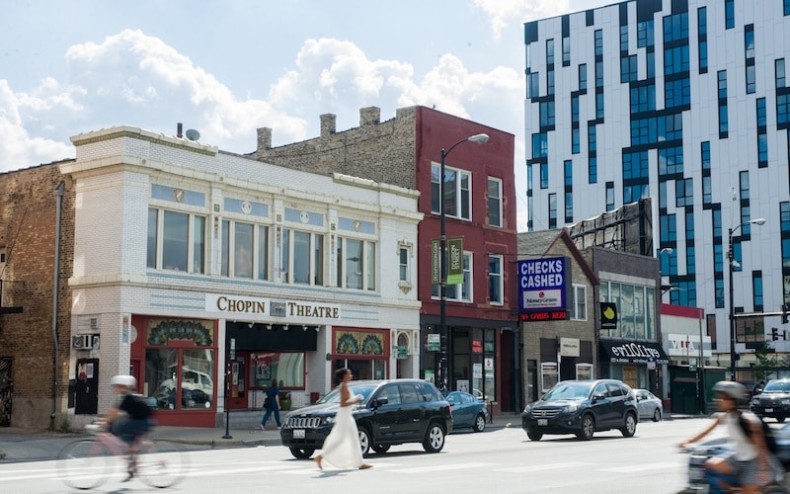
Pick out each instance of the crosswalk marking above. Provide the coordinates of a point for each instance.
(540, 468)
(645, 467)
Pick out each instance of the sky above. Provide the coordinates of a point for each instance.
(228, 67)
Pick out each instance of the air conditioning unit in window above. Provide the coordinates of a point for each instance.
(82, 342)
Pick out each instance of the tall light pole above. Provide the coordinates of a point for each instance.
(731, 259)
(441, 372)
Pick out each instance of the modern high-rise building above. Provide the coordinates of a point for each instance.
(685, 102)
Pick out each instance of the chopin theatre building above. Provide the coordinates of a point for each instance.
(191, 264)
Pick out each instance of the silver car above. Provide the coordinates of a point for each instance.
(649, 405)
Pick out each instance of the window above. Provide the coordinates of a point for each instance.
(636, 310)
(599, 105)
(404, 273)
(636, 165)
(704, 151)
(598, 42)
(582, 76)
(584, 372)
(495, 280)
(549, 82)
(757, 290)
(684, 193)
(356, 264)
(566, 51)
(629, 69)
(540, 145)
(643, 98)
(302, 258)
(782, 109)
(579, 311)
(748, 41)
(546, 110)
(761, 112)
(549, 52)
(494, 202)
(707, 193)
(779, 73)
(610, 196)
(670, 160)
(624, 38)
(677, 93)
(668, 228)
(569, 207)
(751, 80)
(592, 141)
(786, 7)
(533, 83)
(544, 175)
(762, 149)
(238, 248)
(461, 292)
(644, 34)
(568, 172)
(676, 60)
(552, 211)
(574, 108)
(176, 241)
(676, 27)
(575, 140)
(457, 193)
(592, 170)
(729, 14)
(703, 57)
(722, 83)
(599, 74)
(702, 21)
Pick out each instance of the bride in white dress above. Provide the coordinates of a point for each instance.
(341, 447)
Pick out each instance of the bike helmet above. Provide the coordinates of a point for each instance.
(733, 389)
(125, 381)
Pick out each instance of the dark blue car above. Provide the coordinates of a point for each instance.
(468, 411)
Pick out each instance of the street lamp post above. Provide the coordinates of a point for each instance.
(730, 263)
(441, 372)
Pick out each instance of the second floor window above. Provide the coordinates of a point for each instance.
(176, 241)
(495, 281)
(356, 264)
(579, 311)
(457, 192)
(302, 257)
(494, 201)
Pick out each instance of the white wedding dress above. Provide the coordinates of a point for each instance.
(341, 447)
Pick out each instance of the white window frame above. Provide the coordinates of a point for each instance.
(497, 278)
(498, 199)
(460, 193)
(404, 264)
(316, 275)
(228, 250)
(190, 241)
(368, 275)
(579, 312)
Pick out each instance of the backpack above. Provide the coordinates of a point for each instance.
(768, 433)
(138, 407)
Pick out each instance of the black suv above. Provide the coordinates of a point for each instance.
(391, 412)
(774, 401)
(582, 408)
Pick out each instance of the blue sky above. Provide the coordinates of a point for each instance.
(228, 67)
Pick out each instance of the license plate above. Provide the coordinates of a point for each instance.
(298, 433)
(769, 410)
(543, 422)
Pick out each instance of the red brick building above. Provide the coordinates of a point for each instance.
(480, 208)
(37, 209)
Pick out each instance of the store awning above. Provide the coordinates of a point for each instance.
(633, 351)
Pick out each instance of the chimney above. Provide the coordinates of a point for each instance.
(179, 130)
(370, 115)
(328, 122)
(264, 138)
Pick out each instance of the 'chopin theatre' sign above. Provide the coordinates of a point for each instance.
(542, 288)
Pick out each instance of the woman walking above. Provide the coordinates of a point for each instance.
(341, 447)
(272, 405)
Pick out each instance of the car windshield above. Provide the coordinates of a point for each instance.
(569, 391)
(364, 389)
(777, 387)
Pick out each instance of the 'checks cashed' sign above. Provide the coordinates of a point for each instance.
(542, 284)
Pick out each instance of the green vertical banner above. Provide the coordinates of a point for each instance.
(455, 261)
(435, 263)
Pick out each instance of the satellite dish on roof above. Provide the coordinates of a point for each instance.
(192, 134)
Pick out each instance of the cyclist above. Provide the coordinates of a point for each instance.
(130, 417)
(749, 464)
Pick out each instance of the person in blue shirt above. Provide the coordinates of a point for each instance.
(272, 405)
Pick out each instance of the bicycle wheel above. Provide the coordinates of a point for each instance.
(84, 464)
(161, 463)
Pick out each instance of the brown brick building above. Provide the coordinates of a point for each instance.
(34, 345)
(480, 206)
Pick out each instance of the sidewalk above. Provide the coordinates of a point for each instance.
(35, 445)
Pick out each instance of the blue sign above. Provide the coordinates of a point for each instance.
(543, 283)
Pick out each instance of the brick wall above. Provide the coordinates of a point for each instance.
(27, 231)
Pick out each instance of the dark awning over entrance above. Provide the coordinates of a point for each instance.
(633, 351)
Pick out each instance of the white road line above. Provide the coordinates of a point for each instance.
(644, 467)
(441, 468)
(540, 468)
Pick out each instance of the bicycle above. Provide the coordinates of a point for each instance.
(87, 463)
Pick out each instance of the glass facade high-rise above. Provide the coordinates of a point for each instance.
(687, 103)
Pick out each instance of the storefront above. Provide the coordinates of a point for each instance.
(634, 362)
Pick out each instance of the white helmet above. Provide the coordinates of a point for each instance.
(125, 381)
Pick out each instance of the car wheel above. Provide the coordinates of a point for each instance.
(480, 423)
(302, 453)
(780, 419)
(534, 436)
(381, 448)
(630, 425)
(588, 428)
(657, 415)
(434, 438)
(364, 441)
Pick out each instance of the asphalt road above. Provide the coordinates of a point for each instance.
(502, 461)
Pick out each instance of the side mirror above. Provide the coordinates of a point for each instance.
(598, 397)
(380, 401)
